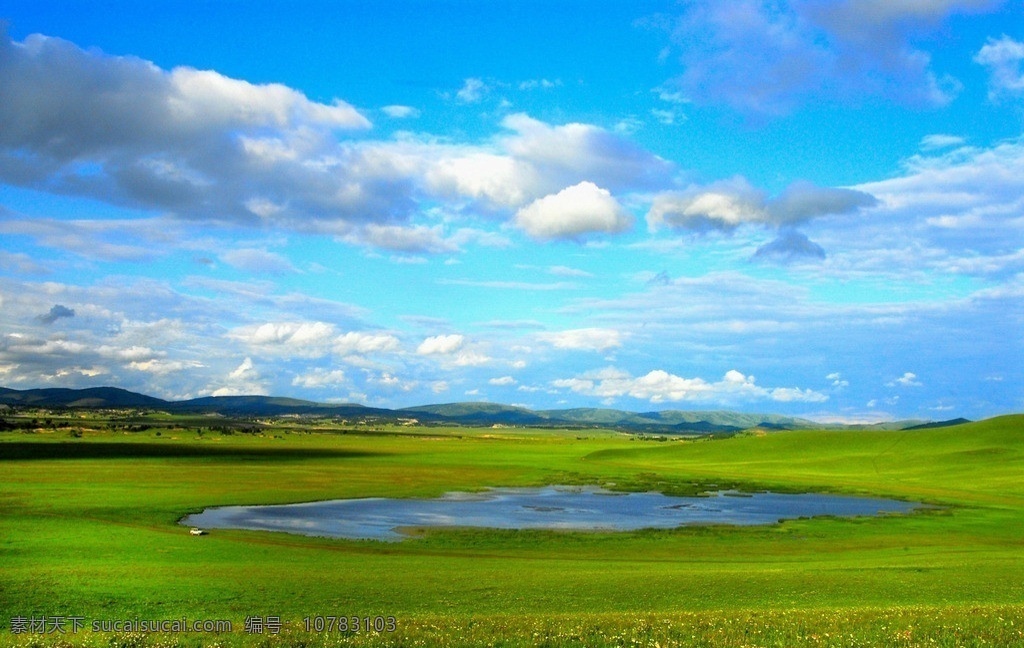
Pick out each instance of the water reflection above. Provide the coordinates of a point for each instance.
(549, 507)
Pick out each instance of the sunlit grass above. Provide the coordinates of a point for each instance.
(97, 536)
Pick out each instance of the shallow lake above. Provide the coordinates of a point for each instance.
(549, 507)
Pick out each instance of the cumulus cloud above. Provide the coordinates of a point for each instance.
(392, 382)
(908, 379)
(492, 180)
(571, 153)
(244, 380)
(504, 381)
(320, 379)
(55, 358)
(306, 339)
(727, 204)
(194, 143)
(532, 159)
(586, 339)
(837, 380)
(441, 345)
(355, 342)
(204, 147)
(573, 213)
(63, 103)
(56, 313)
(721, 205)
(1004, 59)
(660, 386)
(312, 340)
(453, 351)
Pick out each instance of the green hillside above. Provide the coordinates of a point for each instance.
(90, 525)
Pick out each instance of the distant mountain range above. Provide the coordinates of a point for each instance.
(468, 414)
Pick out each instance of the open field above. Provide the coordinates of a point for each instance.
(90, 530)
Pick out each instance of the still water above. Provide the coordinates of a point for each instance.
(549, 507)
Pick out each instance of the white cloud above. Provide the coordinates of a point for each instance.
(189, 143)
(320, 379)
(495, 180)
(730, 203)
(960, 210)
(244, 380)
(574, 212)
(163, 367)
(355, 342)
(258, 261)
(767, 58)
(837, 380)
(439, 386)
(391, 382)
(587, 339)
(565, 271)
(441, 345)
(472, 91)
(660, 386)
(401, 112)
(533, 159)
(204, 148)
(571, 153)
(470, 358)
(304, 339)
(504, 381)
(908, 379)
(667, 117)
(796, 395)
(940, 141)
(203, 96)
(453, 351)
(243, 371)
(722, 205)
(1004, 59)
(101, 240)
(403, 238)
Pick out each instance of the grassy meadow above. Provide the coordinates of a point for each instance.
(89, 528)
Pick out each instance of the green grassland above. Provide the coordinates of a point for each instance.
(88, 528)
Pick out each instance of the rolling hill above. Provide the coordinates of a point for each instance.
(469, 414)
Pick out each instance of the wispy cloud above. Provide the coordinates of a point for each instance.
(1004, 58)
(587, 339)
(768, 58)
(511, 285)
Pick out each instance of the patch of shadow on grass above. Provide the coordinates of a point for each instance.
(21, 451)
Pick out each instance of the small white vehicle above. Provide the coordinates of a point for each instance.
(197, 531)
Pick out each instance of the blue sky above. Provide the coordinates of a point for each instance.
(811, 207)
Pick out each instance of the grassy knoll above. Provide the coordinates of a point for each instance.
(88, 528)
